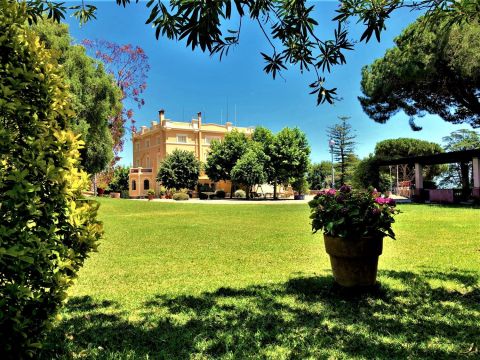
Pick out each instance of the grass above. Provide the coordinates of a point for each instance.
(199, 281)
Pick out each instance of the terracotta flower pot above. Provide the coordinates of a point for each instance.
(100, 191)
(115, 195)
(354, 262)
(150, 197)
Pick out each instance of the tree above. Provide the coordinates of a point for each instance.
(95, 96)
(265, 138)
(129, 66)
(46, 229)
(289, 157)
(367, 174)
(433, 69)
(318, 174)
(224, 155)
(179, 170)
(289, 27)
(120, 179)
(459, 173)
(406, 147)
(249, 169)
(343, 144)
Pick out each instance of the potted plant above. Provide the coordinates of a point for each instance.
(101, 186)
(354, 224)
(162, 191)
(300, 187)
(151, 194)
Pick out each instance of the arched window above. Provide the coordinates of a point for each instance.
(134, 185)
(146, 184)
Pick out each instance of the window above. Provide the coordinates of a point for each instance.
(138, 146)
(148, 162)
(134, 185)
(209, 139)
(146, 184)
(182, 139)
(138, 163)
(158, 140)
(147, 143)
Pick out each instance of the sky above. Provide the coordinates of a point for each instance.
(184, 82)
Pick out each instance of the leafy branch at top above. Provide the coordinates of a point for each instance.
(291, 27)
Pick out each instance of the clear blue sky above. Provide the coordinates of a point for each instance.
(184, 82)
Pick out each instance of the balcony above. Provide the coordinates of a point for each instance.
(140, 170)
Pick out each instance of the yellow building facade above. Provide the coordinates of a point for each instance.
(152, 145)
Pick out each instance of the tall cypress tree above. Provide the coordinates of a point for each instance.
(344, 146)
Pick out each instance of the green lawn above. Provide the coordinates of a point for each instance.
(201, 281)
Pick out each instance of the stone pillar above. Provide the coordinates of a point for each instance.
(476, 177)
(418, 179)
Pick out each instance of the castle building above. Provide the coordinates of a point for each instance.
(152, 145)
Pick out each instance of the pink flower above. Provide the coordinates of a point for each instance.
(331, 192)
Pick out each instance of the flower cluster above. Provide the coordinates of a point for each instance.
(352, 214)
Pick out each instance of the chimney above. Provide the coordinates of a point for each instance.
(161, 115)
(154, 123)
(143, 129)
(199, 117)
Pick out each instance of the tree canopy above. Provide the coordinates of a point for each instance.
(289, 27)
(179, 170)
(249, 169)
(224, 155)
(433, 69)
(318, 173)
(129, 67)
(406, 147)
(95, 96)
(289, 156)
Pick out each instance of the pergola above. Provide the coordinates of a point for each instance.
(419, 162)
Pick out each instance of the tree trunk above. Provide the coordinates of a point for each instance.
(232, 190)
(275, 189)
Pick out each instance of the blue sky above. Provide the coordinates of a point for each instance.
(184, 82)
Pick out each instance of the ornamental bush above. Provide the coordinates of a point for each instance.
(240, 194)
(180, 196)
(46, 228)
(352, 214)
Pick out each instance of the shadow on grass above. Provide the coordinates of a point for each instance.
(305, 317)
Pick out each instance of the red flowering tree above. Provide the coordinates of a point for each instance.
(129, 66)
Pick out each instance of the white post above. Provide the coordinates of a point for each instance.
(476, 177)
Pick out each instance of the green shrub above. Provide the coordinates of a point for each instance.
(162, 191)
(120, 179)
(124, 194)
(150, 192)
(180, 196)
(220, 194)
(46, 229)
(240, 194)
(202, 196)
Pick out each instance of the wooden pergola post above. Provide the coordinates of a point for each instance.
(418, 178)
(476, 177)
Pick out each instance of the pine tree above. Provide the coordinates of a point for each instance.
(344, 144)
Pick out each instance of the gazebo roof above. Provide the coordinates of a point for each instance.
(440, 158)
